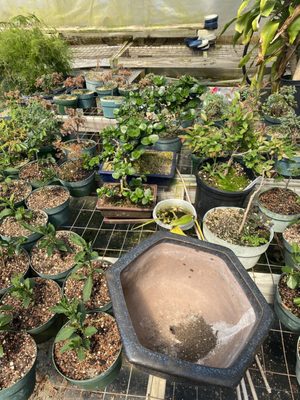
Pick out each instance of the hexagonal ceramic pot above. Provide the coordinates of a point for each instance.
(167, 285)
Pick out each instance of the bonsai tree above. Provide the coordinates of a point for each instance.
(27, 52)
(214, 106)
(281, 103)
(47, 83)
(276, 23)
(75, 334)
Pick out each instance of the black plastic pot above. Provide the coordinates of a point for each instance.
(208, 197)
(287, 80)
(80, 188)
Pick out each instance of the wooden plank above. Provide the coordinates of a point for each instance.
(93, 124)
(156, 388)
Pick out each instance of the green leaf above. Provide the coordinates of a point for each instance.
(5, 213)
(266, 7)
(267, 34)
(76, 239)
(297, 301)
(292, 282)
(90, 331)
(87, 289)
(1, 351)
(65, 333)
(242, 7)
(81, 353)
(185, 219)
(293, 30)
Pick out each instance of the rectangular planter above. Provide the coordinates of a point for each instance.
(157, 179)
(111, 211)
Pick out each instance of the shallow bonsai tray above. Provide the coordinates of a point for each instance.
(158, 179)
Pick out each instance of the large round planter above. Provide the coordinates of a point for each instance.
(172, 144)
(4, 290)
(86, 98)
(288, 319)
(287, 80)
(98, 382)
(298, 361)
(90, 151)
(80, 188)
(109, 105)
(58, 215)
(22, 389)
(165, 204)
(247, 255)
(288, 167)
(64, 103)
(102, 92)
(280, 221)
(208, 197)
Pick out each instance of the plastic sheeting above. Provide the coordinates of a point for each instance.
(108, 14)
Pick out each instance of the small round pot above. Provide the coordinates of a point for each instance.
(280, 221)
(4, 290)
(98, 382)
(86, 98)
(110, 104)
(58, 215)
(126, 92)
(172, 144)
(287, 318)
(298, 361)
(91, 151)
(23, 388)
(91, 85)
(288, 167)
(164, 204)
(288, 254)
(64, 103)
(80, 188)
(59, 278)
(103, 92)
(247, 255)
(208, 197)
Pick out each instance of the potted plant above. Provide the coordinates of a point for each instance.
(18, 354)
(277, 25)
(174, 213)
(245, 232)
(65, 101)
(287, 299)
(74, 82)
(87, 281)
(231, 156)
(291, 242)
(17, 188)
(74, 148)
(78, 175)
(107, 89)
(29, 50)
(170, 129)
(86, 98)
(16, 222)
(54, 200)
(53, 256)
(110, 104)
(14, 260)
(49, 85)
(280, 205)
(125, 88)
(80, 351)
(31, 301)
(279, 105)
(41, 172)
(95, 78)
(214, 106)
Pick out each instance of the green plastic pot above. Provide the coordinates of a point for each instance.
(86, 98)
(98, 382)
(103, 92)
(4, 290)
(91, 85)
(110, 104)
(289, 254)
(62, 102)
(288, 168)
(58, 215)
(59, 278)
(298, 361)
(37, 184)
(288, 319)
(172, 144)
(22, 389)
(80, 188)
(90, 151)
(126, 92)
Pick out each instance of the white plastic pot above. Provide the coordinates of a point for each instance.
(247, 255)
(165, 204)
(280, 221)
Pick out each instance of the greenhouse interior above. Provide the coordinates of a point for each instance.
(150, 200)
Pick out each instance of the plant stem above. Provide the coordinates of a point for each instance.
(249, 205)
